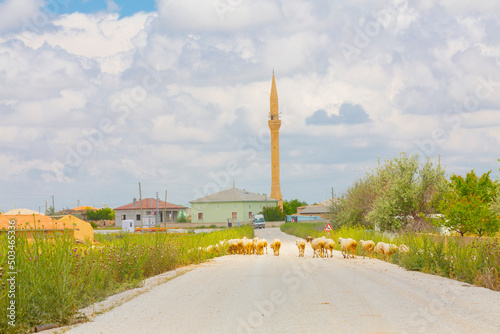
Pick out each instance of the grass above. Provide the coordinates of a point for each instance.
(56, 277)
(476, 262)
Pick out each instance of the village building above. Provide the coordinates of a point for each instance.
(164, 212)
(231, 205)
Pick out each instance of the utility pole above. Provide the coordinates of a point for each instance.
(140, 199)
(157, 213)
(53, 206)
(165, 214)
(439, 160)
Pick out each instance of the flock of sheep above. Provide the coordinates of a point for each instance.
(257, 246)
(320, 246)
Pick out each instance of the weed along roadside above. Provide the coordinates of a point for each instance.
(56, 277)
(471, 260)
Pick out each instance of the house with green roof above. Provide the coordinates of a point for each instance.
(236, 205)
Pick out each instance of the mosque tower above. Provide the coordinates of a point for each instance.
(274, 125)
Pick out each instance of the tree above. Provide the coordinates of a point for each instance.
(50, 211)
(468, 206)
(101, 214)
(406, 192)
(273, 213)
(352, 207)
(290, 207)
(395, 195)
(182, 218)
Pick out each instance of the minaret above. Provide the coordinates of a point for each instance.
(274, 125)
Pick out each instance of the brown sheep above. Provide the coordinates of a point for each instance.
(368, 246)
(275, 246)
(385, 249)
(348, 246)
(318, 245)
(301, 245)
(329, 246)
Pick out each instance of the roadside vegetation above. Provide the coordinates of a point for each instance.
(468, 259)
(56, 278)
(406, 194)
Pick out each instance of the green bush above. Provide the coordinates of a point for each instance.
(273, 213)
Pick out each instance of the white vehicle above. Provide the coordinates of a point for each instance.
(259, 221)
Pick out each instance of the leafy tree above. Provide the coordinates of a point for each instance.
(290, 207)
(468, 205)
(397, 194)
(50, 211)
(182, 218)
(352, 207)
(101, 214)
(273, 213)
(406, 192)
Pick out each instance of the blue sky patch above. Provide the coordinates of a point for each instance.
(123, 7)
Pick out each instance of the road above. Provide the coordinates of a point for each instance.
(288, 294)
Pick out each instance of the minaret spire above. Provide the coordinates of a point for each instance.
(274, 100)
(274, 125)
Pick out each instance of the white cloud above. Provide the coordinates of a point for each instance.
(219, 15)
(186, 90)
(19, 14)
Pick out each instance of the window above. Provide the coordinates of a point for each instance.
(138, 217)
(250, 215)
(234, 215)
(217, 207)
(234, 206)
(249, 206)
(200, 215)
(124, 217)
(148, 213)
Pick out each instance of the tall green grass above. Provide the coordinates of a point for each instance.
(475, 263)
(56, 277)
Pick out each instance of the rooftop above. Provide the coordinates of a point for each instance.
(234, 195)
(150, 204)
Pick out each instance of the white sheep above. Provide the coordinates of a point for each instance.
(403, 248)
(259, 247)
(385, 249)
(329, 246)
(301, 245)
(275, 246)
(348, 246)
(368, 246)
(318, 246)
(264, 241)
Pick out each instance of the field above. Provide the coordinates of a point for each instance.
(55, 277)
(472, 260)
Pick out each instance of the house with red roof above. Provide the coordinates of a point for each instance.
(163, 211)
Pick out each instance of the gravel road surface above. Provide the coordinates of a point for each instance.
(288, 294)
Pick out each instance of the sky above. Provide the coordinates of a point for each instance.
(99, 96)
